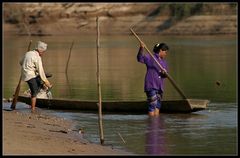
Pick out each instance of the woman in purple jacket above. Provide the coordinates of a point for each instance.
(154, 77)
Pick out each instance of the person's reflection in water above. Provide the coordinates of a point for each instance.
(155, 137)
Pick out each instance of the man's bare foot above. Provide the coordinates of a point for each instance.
(33, 110)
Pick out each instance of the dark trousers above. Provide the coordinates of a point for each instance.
(34, 85)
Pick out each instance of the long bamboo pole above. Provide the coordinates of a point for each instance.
(168, 76)
(17, 90)
(99, 87)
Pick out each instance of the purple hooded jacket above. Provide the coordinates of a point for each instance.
(154, 77)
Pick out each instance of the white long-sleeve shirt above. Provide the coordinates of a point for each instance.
(32, 66)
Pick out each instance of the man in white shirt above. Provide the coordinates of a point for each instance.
(33, 72)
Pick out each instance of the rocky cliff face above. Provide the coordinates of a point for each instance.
(117, 18)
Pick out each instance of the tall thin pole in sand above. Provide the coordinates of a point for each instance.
(99, 87)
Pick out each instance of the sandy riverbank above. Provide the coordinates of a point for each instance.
(26, 133)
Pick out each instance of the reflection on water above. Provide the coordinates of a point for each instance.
(155, 136)
(201, 133)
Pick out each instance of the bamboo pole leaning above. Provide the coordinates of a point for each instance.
(99, 86)
(17, 90)
(168, 76)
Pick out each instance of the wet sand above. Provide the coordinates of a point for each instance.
(26, 133)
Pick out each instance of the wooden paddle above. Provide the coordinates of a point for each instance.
(168, 76)
(14, 102)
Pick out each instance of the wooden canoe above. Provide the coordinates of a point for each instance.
(131, 107)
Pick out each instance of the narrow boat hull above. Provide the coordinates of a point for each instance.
(173, 106)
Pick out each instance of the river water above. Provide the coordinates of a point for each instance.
(196, 63)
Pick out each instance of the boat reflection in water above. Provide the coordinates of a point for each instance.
(155, 136)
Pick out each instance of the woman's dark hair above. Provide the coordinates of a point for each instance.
(161, 46)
